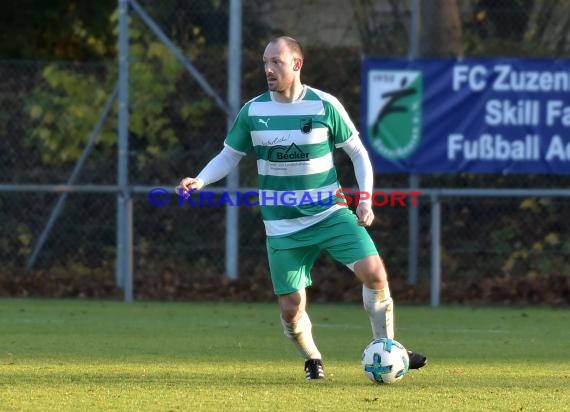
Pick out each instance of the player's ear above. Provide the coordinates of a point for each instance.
(297, 63)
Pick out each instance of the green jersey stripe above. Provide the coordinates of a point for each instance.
(268, 124)
(289, 197)
(307, 182)
(290, 212)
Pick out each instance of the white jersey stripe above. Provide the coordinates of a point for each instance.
(301, 168)
(298, 108)
(286, 137)
(286, 226)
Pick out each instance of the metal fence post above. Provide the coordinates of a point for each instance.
(124, 201)
(413, 233)
(435, 250)
(413, 212)
(234, 96)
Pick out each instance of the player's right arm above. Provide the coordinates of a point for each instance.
(237, 144)
(218, 168)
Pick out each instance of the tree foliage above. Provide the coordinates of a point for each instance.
(56, 29)
(67, 106)
(538, 28)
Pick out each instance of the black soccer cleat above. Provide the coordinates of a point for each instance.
(314, 369)
(417, 360)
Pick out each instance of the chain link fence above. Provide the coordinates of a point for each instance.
(48, 110)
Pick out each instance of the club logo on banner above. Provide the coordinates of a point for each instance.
(394, 115)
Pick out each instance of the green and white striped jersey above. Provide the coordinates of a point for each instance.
(294, 144)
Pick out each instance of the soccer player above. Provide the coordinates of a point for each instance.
(293, 129)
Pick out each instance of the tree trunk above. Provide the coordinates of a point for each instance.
(549, 27)
(382, 26)
(440, 32)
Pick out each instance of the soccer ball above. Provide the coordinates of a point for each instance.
(385, 361)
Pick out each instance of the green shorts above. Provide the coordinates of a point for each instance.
(291, 257)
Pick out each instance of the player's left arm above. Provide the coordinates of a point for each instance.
(346, 137)
(364, 177)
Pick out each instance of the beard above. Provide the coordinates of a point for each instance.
(273, 85)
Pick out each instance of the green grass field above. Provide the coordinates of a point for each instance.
(110, 356)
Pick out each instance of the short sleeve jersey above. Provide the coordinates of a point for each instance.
(293, 144)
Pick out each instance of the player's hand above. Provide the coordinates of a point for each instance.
(189, 183)
(365, 214)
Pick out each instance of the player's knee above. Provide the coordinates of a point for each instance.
(291, 309)
(371, 272)
(292, 306)
(291, 314)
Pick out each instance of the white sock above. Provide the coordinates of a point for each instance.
(380, 308)
(300, 334)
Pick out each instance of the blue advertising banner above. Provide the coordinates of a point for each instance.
(472, 115)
